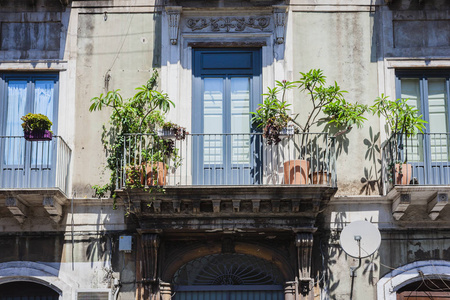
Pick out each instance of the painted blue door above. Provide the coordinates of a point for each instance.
(429, 153)
(226, 88)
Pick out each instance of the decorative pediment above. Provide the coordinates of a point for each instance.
(227, 24)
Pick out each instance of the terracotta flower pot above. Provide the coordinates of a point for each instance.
(320, 177)
(403, 175)
(296, 171)
(156, 173)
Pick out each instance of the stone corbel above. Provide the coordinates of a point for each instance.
(400, 205)
(279, 17)
(150, 244)
(17, 208)
(436, 204)
(53, 208)
(304, 243)
(173, 15)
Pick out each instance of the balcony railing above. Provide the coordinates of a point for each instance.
(427, 156)
(228, 159)
(31, 164)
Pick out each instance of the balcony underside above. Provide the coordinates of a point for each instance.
(228, 209)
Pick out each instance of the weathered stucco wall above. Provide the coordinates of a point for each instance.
(115, 51)
(344, 47)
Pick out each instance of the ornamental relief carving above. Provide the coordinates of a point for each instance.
(228, 24)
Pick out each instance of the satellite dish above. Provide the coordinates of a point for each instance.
(360, 239)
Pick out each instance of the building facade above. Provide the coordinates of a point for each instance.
(237, 218)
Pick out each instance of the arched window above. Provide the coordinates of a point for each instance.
(26, 290)
(228, 276)
(427, 288)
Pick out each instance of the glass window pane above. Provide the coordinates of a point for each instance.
(240, 119)
(213, 120)
(411, 91)
(437, 107)
(43, 98)
(41, 152)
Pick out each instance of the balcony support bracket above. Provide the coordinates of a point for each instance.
(53, 208)
(436, 204)
(17, 208)
(216, 206)
(236, 205)
(150, 244)
(275, 206)
(256, 204)
(304, 243)
(400, 205)
(176, 206)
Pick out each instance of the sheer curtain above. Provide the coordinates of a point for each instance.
(43, 104)
(17, 99)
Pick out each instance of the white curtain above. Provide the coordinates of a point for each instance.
(41, 152)
(17, 99)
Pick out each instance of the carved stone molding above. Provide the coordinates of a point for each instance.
(279, 17)
(173, 15)
(150, 245)
(304, 243)
(228, 24)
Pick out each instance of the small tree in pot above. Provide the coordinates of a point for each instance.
(327, 104)
(404, 121)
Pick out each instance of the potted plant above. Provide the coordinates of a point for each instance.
(172, 130)
(327, 104)
(403, 121)
(133, 127)
(36, 127)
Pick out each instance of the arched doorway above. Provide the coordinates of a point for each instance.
(416, 281)
(228, 277)
(425, 289)
(26, 290)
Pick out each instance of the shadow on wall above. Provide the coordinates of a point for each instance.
(372, 176)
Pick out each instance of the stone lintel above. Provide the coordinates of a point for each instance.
(436, 204)
(400, 205)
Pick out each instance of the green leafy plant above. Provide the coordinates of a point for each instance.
(404, 121)
(273, 115)
(33, 122)
(401, 117)
(329, 100)
(141, 114)
(328, 104)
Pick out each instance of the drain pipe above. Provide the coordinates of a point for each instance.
(353, 269)
(117, 286)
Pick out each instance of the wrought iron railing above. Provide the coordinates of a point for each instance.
(423, 159)
(34, 164)
(227, 159)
